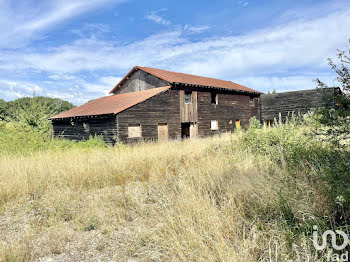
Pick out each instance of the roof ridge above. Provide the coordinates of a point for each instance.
(192, 77)
(142, 67)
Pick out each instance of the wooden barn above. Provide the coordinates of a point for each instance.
(297, 102)
(155, 104)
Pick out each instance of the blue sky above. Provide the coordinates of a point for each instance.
(78, 50)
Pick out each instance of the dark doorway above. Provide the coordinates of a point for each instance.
(185, 130)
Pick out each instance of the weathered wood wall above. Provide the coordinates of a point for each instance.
(140, 80)
(162, 108)
(80, 129)
(166, 108)
(189, 112)
(230, 108)
(297, 101)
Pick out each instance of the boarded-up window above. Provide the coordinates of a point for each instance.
(188, 97)
(214, 98)
(238, 123)
(214, 124)
(134, 131)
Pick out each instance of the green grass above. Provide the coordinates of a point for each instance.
(249, 196)
(22, 139)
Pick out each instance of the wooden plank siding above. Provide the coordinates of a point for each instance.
(167, 111)
(166, 108)
(82, 129)
(140, 80)
(230, 107)
(188, 112)
(162, 108)
(297, 101)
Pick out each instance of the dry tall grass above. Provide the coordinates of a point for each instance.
(200, 200)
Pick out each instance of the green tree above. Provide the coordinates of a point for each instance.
(36, 110)
(338, 118)
(3, 109)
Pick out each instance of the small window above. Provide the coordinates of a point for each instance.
(188, 97)
(251, 100)
(214, 98)
(214, 124)
(238, 123)
(134, 131)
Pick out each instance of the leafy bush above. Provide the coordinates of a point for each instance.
(296, 147)
(21, 138)
(46, 105)
(35, 111)
(3, 107)
(337, 118)
(254, 123)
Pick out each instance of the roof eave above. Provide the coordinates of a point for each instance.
(221, 88)
(75, 117)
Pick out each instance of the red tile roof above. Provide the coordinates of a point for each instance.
(174, 77)
(111, 104)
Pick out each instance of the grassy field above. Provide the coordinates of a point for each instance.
(248, 196)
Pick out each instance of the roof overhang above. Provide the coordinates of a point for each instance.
(82, 117)
(218, 88)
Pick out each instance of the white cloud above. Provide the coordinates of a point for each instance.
(14, 89)
(272, 50)
(262, 59)
(284, 83)
(196, 29)
(77, 90)
(110, 80)
(242, 3)
(22, 21)
(156, 17)
(92, 29)
(104, 85)
(61, 76)
(37, 88)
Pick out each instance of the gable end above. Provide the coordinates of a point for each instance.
(138, 80)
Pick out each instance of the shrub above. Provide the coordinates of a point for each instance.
(254, 123)
(20, 138)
